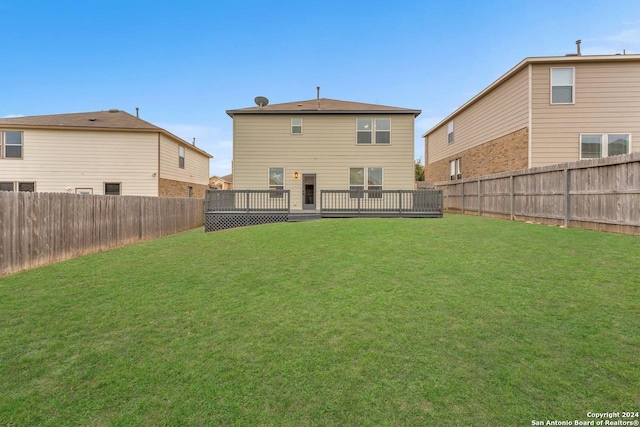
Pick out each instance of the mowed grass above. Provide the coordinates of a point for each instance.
(359, 322)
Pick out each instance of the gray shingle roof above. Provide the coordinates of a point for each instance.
(112, 119)
(97, 120)
(323, 105)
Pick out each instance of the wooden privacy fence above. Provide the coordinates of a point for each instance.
(41, 228)
(599, 194)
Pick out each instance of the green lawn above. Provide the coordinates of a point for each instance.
(353, 322)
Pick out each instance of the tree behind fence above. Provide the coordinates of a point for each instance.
(600, 194)
(41, 228)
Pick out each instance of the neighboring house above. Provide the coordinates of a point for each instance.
(103, 152)
(308, 146)
(221, 182)
(543, 111)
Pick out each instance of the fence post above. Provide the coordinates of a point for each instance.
(567, 190)
(479, 198)
(399, 201)
(247, 201)
(462, 196)
(511, 199)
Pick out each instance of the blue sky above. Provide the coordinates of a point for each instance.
(185, 63)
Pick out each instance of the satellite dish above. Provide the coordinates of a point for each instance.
(261, 101)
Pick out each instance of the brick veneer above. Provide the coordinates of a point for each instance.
(171, 188)
(507, 153)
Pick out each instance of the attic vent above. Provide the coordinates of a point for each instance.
(92, 119)
(114, 110)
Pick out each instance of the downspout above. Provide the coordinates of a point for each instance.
(530, 130)
(158, 183)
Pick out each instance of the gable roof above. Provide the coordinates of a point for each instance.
(562, 60)
(323, 106)
(112, 119)
(116, 120)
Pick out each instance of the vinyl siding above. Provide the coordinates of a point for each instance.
(196, 165)
(326, 148)
(500, 112)
(61, 159)
(607, 100)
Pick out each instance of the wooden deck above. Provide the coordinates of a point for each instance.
(239, 208)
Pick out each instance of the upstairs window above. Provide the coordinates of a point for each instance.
(373, 131)
(450, 132)
(364, 128)
(11, 144)
(593, 146)
(383, 131)
(562, 85)
(296, 126)
(181, 157)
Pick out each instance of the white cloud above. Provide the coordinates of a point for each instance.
(10, 116)
(627, 40)
(626, 36)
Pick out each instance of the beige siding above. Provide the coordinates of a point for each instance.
(63, 160)
(196, 165)
(502, 111)
(607, 100)
(326, 148)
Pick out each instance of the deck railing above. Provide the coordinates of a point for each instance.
(238, 208)
(247, 201)
(388, 202)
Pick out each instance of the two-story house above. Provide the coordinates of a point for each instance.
(104, 152)
(543, 111)
(308, 146)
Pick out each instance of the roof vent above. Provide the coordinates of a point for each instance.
(92, 119)
(114, 110)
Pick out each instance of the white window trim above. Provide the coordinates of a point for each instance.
(456, 163)
(284, 176)
(603, 143)
(301, 126)
(573, 86)
(373, 132)
(3, 144)
(450, 131)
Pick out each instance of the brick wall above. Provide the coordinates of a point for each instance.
(172, 188)
(507, 153)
